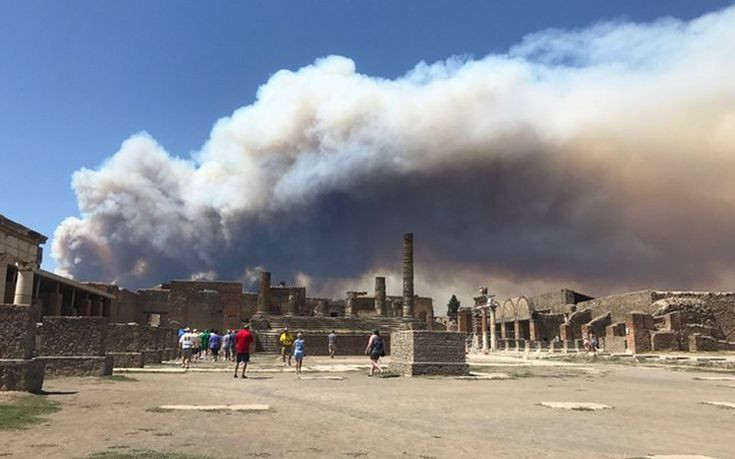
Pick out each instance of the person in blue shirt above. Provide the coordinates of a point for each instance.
(215, 342)
(298, 352)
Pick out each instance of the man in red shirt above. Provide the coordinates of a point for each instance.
(243, 340)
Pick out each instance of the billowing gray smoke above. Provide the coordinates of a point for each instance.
(600, 159)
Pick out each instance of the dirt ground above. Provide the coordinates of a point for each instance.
(655, 411)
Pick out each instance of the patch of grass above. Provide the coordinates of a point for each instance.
(118, 378)
(21, 412)
(143, 454)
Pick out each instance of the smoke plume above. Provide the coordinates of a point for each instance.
(600, 158)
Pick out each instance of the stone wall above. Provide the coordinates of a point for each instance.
(423, 352)
(16, 332)
(72, 336)
(123, 338)
(205, 304)
(571, 329)
(555, 301)
(316, 343)
(620, 305)
(547, 326)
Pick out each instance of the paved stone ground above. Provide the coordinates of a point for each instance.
(656, 411)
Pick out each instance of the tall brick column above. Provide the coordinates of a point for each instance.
(380, 296)
(408, 275)
(264, 293)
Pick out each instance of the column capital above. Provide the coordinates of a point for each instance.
(26, 265)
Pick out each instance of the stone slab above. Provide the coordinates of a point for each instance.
(152, 357)
(78, 365)
(215, 407)
(727, 405)
(21, 375)
(714, 378)
(127, 359)
(576, 406)
(321, 378)
(430, 369)
(485, 376)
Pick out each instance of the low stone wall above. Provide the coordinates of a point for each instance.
(78, 365)
(150, 338)
(123, 338)
(72, 336)
(420, 352)
(616, 344)
(21, 375)
(16, 332)
(152, 357)
(127, 359)
(317, 344)
(699, 343)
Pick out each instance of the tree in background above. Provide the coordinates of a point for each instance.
(453, 306)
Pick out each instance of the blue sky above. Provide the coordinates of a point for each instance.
(77, 78)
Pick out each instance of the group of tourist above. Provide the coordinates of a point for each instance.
(236, 346)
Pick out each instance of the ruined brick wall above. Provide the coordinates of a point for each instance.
(709, 309)
(364, 305)
(555, 301)
(547, 326)
(620, 305)
(249, 306)
(17, 331)
(72, 336)
(638, 328)
(152, 301)
(205, 304)
(423, 309)
(128, 309)
(571, 329)
(279, 299)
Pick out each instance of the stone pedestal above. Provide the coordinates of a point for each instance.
(421, 352)
(74, 346)
(18, 371)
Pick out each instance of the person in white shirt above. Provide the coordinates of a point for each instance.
(186, 343)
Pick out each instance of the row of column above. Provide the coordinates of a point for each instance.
(23, 283)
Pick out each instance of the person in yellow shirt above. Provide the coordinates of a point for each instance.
(286, 339)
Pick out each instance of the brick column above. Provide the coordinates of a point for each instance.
(264, 293)
(380, 296)
(408, 275)
(350, 304)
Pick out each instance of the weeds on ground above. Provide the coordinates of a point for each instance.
(20, 412)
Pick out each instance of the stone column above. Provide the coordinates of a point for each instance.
(380, 296)
(264, 293)
(24, 284)
(291, 305)
(483, 310)
(350, 304)
(493, 331)
(408, 275)
(322, 308)
(3, 275)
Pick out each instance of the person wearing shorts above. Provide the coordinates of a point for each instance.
(286, 341)
(186, 343)
(332, 340)
(243, 340)
(298, 352)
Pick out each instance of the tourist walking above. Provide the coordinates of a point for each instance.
(332, 340)
(298, 352)
(243, 340)
(286, 340)
(205, 343)
(215, 343)
(226, 345)
(196, 348)
(375, 349)
(186, 343)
